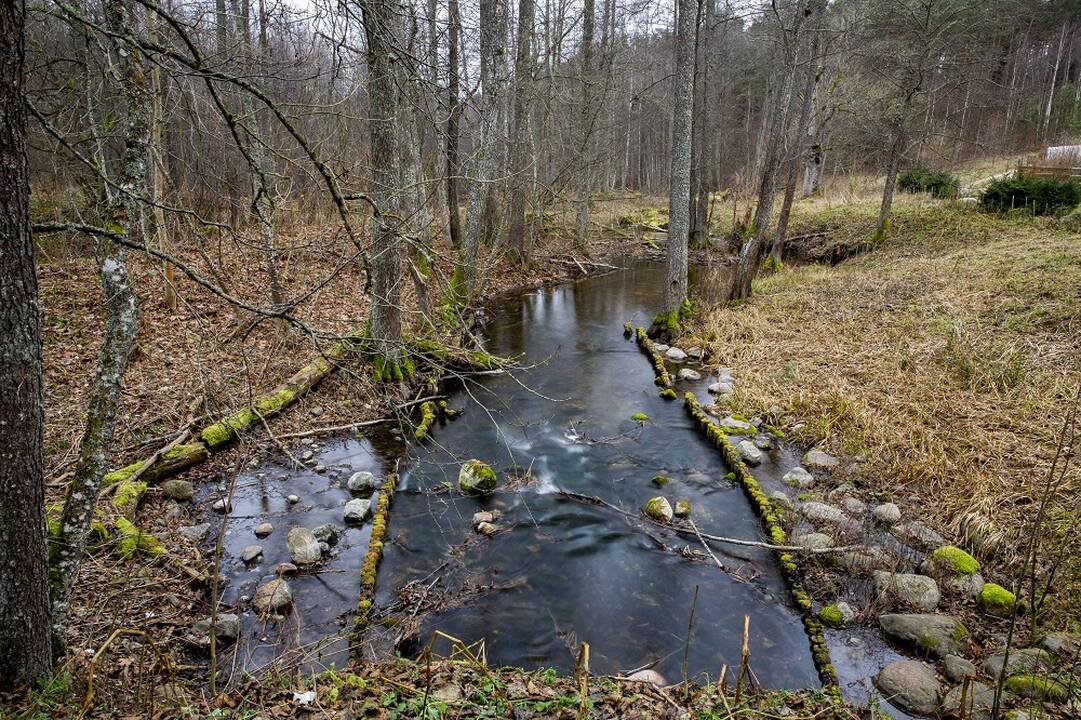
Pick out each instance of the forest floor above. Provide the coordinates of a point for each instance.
(941, 363)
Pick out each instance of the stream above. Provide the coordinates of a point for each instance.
(559, 572)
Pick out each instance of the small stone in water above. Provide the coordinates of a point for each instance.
(307, 455)
(763, 442)
(362, 481)
(221, 506)
(320, 468)
(285, 569)
(720, 388)
(749, 453)
(487, 528)
(275, 595)
(303, 547)
(659, 508)
(326, 533)
(688, 374)
(293, 499)
(486, 516)
(251, 552)
(357, 510)
(798, 477)
(263, 529)
(683, 508)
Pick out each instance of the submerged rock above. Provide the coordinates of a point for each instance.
(303, 546)
(356, 511)
(488, 529)
(251, 552)
(749, 452)
(683, 508)
(910, 685)
(798, 477)
(476, 477)
(263, 529)
(660, 509)
(275, 595)
(906, 590)
(837, 615)
(938, 635)
(307, 455)
(285, 569)
(326, 533)
(179, 490)
(818, 459)
(362, 482)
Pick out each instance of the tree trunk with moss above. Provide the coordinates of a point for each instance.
(24, 597)
(124, 214)
(679, 191)
(381, 18)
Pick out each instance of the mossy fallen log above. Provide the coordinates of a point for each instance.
(369, 570)
(170, 463)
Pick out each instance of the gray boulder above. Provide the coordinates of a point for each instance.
(817, 459)
(251, 552)
(675, 354)
(179, 490)
(778, 498)
(863, 559)
(813, 541)
(749, 452)
(275, 595)
(818, 512)
(979, 700)
(720, 388)
(303, 546)
(1026, 660)
(906, 590)
(195, 533)
(958, 668)
(688, 374)
(966, 586)
(918, 534)
(798, 477)
(326, 533)
(937, 635)
(910, 685)
(855, 506)
(356, 511)
(226, 627)
(362, 482)
(886, 513)
(1062, 644)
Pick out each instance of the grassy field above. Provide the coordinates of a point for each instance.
(942, 361)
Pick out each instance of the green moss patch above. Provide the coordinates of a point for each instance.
(997, 600)
(640, 417)
(134, 541)
(954, 560)
(1038, 687)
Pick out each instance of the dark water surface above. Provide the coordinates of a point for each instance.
(562, 571)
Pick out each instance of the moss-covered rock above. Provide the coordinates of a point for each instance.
(427, 417)
(133, 541)
(997, 600)
(128, 493)
(659, 509)
(640, 417)
(951, 560)
(832, 615)
(1038, 687)
(476, 477)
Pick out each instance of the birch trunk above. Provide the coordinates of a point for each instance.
(585, 183)
(125, 215)
(24, 597)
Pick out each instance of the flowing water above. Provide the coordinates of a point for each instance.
(561, 571)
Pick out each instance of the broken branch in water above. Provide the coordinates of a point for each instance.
(592, 500)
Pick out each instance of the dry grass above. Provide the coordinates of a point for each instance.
(944, 360)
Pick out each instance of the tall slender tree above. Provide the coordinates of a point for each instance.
(679, 182)
(24, 597)
(518, 241)
(454, 38)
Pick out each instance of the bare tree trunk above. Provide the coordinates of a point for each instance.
(518, 241)
(126, 216)
(1054, 81)
(24, 596)
(585, 180)
(383, 59)
(679, 193)
(812, 167)
(816, 9)
(493, 20)
(161, 232)
(454, 31)
(751, 252)
(414, 195)
(897, 149)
